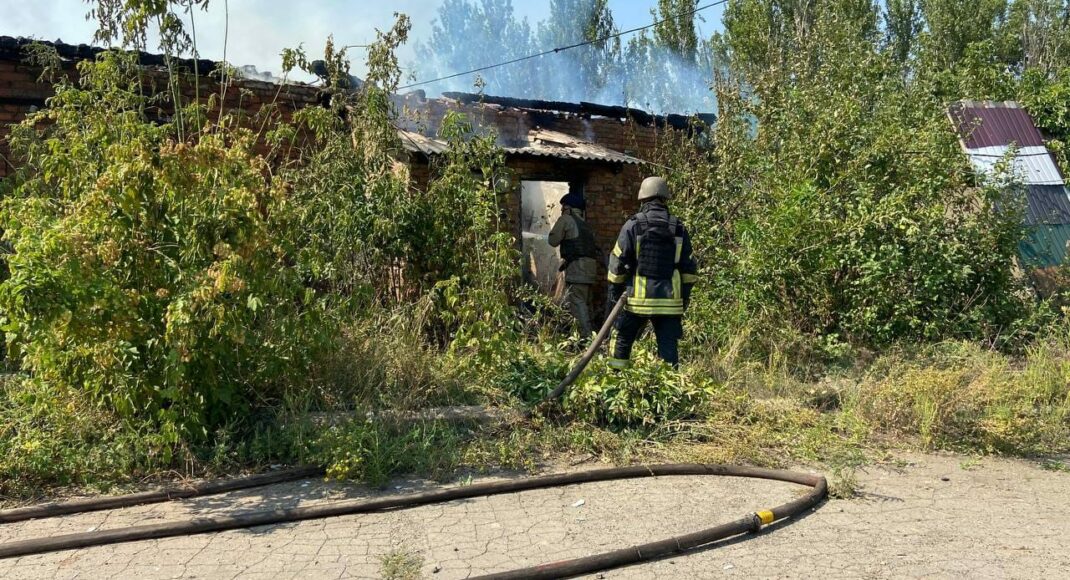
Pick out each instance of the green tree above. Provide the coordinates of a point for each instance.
(902, 24)
(951, 26)
(572, 22)
(1040, 32)
(469, 34)
(677, 31)
(817, 224)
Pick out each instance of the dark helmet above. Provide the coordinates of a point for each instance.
(574, 200)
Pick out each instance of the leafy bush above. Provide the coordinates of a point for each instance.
(177, 279)
(145, 269)
(648, 393)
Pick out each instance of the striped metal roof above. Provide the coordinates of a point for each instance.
(1047, 204)
(1032, 165)
(998, 135)
(988, 123)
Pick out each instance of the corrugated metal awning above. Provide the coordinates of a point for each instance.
(539, 143)
(542, 143)
(417, 143)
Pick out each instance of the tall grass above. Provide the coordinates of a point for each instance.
(960, 396)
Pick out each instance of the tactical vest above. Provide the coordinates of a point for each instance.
(582, 246)
(657, 246)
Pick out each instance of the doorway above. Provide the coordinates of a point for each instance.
(539, 210)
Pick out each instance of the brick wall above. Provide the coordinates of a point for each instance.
(20, 95)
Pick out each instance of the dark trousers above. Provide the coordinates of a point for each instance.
(668, 330)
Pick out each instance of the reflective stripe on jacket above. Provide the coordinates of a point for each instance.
(650, 296)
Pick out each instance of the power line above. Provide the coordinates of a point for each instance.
(569, 47)
(1015, 156)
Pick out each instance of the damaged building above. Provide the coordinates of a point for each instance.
(601, 152)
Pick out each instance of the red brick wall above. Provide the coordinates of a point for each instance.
(18, 93)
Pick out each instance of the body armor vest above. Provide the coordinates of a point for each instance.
(582, 246)
(657, 246)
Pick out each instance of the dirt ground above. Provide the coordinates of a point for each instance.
(924, 515)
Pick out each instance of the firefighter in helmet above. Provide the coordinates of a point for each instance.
(652, 259)
(579, 255)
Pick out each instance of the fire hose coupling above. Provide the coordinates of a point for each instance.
(766, 517)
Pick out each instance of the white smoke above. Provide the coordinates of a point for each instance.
(646, 76)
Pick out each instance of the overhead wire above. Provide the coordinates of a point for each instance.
(682, 14)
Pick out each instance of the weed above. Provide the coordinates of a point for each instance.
(1055, 465)
(648, 393)
(964, 398)
(374, 451)
(843, 484)
(400, 565)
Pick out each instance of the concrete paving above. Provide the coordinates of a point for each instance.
(931, 516)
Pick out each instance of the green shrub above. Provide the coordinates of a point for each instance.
(145, 268)
(648, 393)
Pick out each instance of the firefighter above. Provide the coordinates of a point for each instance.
(579, 255)
(652, 259)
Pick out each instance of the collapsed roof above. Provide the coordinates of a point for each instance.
(540, 143)
(541, 131)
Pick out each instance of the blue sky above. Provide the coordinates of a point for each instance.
(260, 29)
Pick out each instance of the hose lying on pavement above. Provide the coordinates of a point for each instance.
(563, 569)
(96, 504)
(748, 523)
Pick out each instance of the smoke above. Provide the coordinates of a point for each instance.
(638, 73)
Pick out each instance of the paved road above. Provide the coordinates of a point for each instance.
(938, 516)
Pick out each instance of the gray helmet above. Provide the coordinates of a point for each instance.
(654, 187)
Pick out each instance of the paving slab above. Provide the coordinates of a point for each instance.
(926, 516)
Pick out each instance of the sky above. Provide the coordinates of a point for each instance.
(260, 29)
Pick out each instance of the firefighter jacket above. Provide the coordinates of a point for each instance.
(652, 258)
(578, 249)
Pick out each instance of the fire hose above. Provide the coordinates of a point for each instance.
(748, 523)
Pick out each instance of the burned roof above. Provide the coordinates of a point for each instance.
(679, 122)
(539, 143)
(12, 48)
